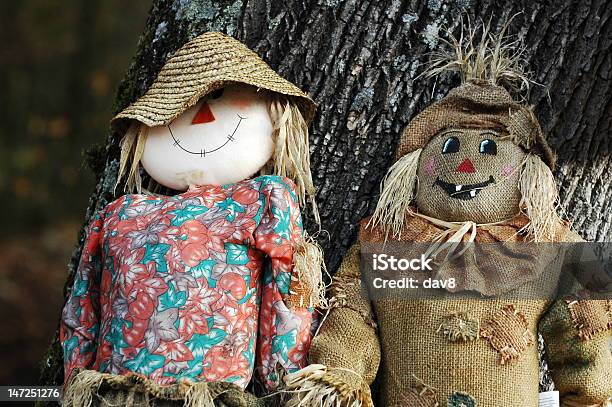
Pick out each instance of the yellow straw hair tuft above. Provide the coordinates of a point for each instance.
(540, 199)
(396, 194)
(291, 156)
(309, 268)
(132, 147)
(495, 58)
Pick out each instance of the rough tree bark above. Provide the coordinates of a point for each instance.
(360, 60)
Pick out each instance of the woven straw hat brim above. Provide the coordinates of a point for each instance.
(473, 105)
(208, 62)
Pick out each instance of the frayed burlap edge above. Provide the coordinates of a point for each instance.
(419, 395)
(315, 385)
(460, 327)
(339, 298)
(83, 386)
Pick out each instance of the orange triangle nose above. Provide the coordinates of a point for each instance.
(204, 115)
(466, 166)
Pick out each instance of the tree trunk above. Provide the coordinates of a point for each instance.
(360, 60)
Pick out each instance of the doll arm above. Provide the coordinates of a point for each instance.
(577, 337)
(80, 317)
(284, 323)
(345, 354)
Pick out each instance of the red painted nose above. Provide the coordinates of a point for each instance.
(466, 166)
(204, 115)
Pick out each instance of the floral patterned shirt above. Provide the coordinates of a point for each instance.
(177, 287)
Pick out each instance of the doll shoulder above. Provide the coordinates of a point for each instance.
(141, 204)
(276, 184)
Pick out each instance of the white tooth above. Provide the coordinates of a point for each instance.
(473, 193)
(458, 187)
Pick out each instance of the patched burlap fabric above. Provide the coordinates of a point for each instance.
(501, 370)
(208, 62)
(92, 388)
(477, 104)
(466, 351)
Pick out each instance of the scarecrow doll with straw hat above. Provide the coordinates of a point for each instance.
(180, 297)
(472, 169)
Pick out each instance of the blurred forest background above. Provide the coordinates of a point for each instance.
(60, 64)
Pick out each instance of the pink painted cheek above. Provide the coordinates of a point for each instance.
(507, 170)
(241, 103)
(430, 166)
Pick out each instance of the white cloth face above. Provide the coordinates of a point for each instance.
(224, 138)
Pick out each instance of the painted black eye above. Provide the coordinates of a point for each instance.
(216, 94)
(488, 147)
(451, 145)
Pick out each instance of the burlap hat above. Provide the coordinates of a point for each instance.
(478, 104)
(204, 64)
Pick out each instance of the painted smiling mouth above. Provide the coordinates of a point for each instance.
(203, 152)
(463, 192)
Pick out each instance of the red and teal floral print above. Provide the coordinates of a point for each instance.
(177, 287)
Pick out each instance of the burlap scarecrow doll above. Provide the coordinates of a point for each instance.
(473, 167)
(173, 300)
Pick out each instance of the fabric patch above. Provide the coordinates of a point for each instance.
(508, 333)
(459, 326)
(522, 128)
(590, 317)
(459, 399)
(419, 395)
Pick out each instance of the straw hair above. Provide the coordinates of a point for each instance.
(309, 268)
(291, 156)
(495, 59)
(132, 148)
(540, 199)
(206, 63)
(396, 194)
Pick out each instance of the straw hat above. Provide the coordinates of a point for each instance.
(206, 63)
(478, 104)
